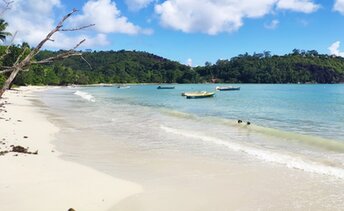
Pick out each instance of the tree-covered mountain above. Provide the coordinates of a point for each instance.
(298, 66)
(142, 67)
(118, 67)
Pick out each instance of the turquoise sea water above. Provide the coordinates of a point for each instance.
(306, 109)
(297, 126)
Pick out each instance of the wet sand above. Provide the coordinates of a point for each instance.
(173, 180)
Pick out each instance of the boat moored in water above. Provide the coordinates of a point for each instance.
(165, 87)
(123, 87)
(201, 94)
(227, 88)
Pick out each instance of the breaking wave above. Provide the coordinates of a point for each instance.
(85, 96)
(289, 161)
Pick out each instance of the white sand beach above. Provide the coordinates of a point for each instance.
(43, 181)
(86, 162)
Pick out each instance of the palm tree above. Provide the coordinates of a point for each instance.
(3, 33)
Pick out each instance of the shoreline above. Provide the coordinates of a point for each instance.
(92, 151)
(44, 181)
(179, 171)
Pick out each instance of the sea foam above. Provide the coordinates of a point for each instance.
(265, 155)
(85, 96)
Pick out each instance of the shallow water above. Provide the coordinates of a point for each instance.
(307, 109)
(157, 138)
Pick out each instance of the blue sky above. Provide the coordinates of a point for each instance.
(186, 30)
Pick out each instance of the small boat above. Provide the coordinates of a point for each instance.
(165, 87)
(123, 87)
(201, 94)
(227, 88)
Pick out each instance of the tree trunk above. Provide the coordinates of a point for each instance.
(9, 81)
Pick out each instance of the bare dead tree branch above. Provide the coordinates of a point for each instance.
(86, 62)
(6, 70)
(58, 57)
(81, 54)
(6, 7)
(35, 51)
(64, 55)
(21, 55)
(8, 2)
(77, 29)
(77, 46)
(27, 61)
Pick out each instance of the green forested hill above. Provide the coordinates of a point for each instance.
(299, 66)
(121, 67)
(142, 67)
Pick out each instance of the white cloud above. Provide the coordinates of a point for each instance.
(63, 41)
(106, 16)
(215, 16)
(33, 31)
(272, 25)
(136, 5)
(33, 19)
(305, 6)
(339, 6)
(189, 62)
(334, 49)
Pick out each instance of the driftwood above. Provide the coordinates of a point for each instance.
(24, 64)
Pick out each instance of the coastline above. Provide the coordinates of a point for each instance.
(175, 171)
(180, 171)
(44, 181)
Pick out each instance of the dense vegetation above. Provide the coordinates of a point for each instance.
(298, 66)
(141, 67)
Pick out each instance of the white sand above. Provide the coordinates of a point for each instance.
(45, 181)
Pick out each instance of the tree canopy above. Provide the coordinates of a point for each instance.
(123, 66)
(3, 33)
(296, 67)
